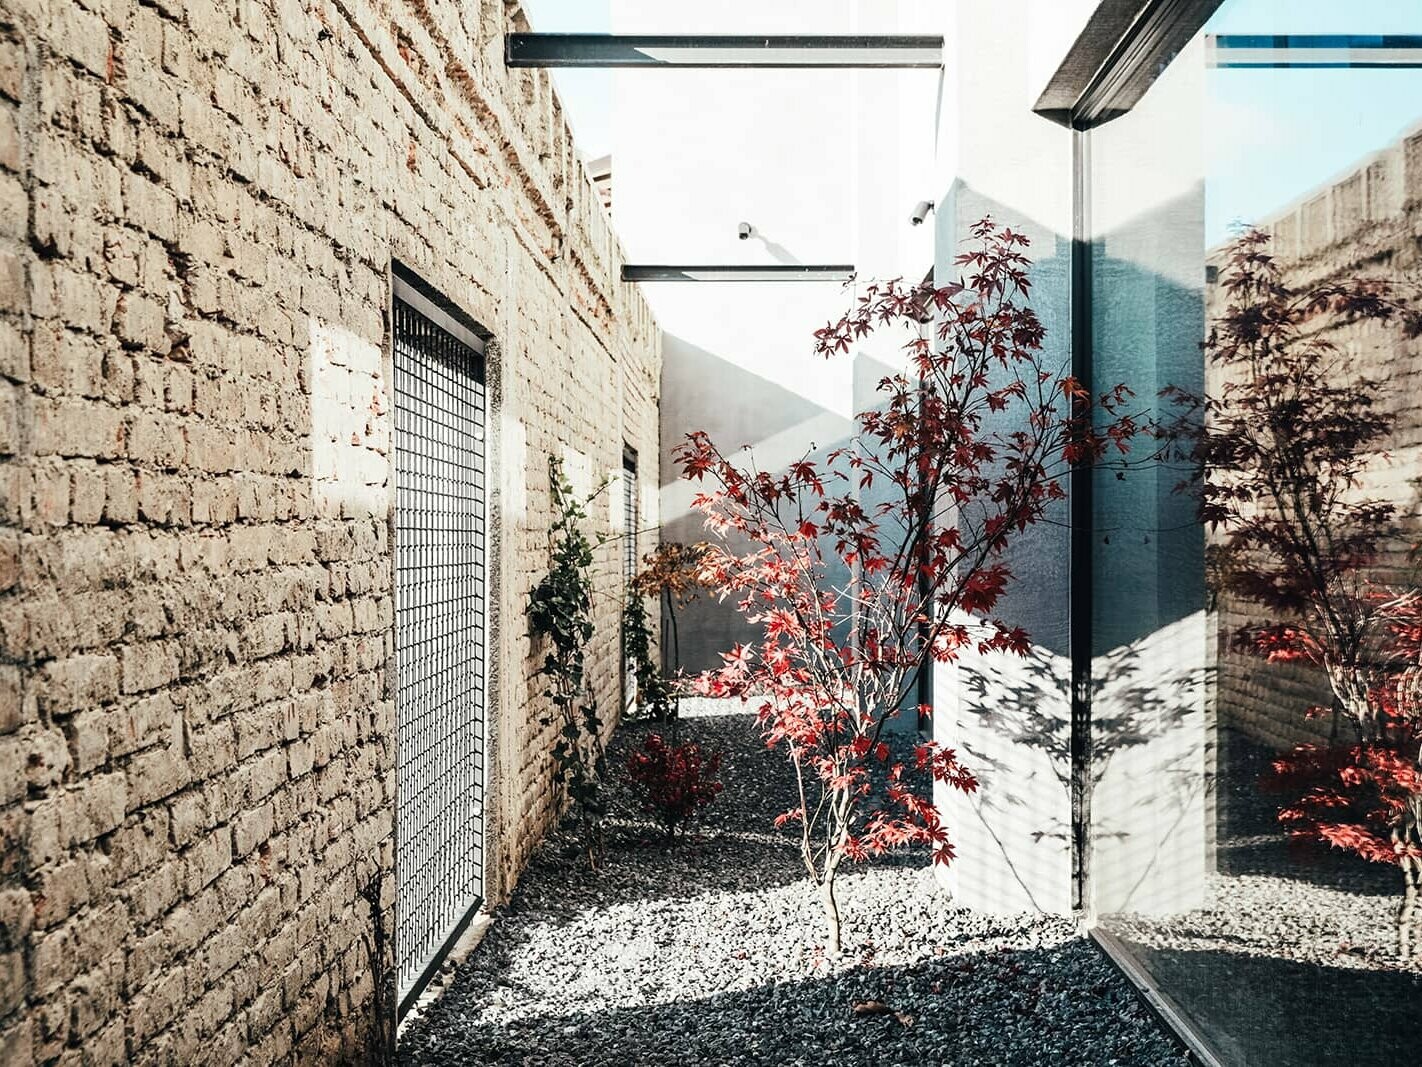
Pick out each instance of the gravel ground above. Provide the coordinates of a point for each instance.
(1311, 905)
(711, 953)
(1284, 932)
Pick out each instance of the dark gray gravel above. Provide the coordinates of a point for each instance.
(1293, 959)
(711, 953)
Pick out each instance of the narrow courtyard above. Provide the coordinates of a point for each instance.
(711, 952)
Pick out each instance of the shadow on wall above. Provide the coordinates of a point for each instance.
(1149, 773)
(1151, 808)
(1008, 835)
(1152, 805)
(701, 390)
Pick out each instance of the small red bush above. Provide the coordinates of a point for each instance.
(674, 782)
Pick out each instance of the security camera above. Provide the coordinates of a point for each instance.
(744, 230)
(920, 212)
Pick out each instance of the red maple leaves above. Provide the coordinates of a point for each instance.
(873, 559)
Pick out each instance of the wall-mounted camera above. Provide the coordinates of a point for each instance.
(920, 212)
(744, 230)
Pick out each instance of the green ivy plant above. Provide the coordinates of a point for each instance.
(654, 692)
(560, 616)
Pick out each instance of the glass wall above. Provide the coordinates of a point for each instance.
(1257, 659)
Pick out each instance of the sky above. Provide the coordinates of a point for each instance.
(1274, 134)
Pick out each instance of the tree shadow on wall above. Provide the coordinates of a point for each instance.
(1148, 729)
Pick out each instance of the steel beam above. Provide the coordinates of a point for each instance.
(778, 272)
(619, 50)
(1314, 51)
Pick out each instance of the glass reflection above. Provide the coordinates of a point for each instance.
(1257, 805)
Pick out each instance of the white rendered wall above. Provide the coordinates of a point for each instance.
(826, 165)
(1152, 806)
(1009, 717)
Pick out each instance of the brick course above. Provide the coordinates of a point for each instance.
(1368, 224)
(200, 201)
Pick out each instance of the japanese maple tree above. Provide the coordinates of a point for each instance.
(1366, 797)
(1278, 452)
(890, 552)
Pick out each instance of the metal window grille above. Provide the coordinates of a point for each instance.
(629, 516)
(629, 561)
(439, 632)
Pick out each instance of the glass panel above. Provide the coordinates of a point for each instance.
(1256, 678)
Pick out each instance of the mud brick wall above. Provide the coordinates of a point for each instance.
(1366, 224)
(200, 203)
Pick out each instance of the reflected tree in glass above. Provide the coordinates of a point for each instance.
(1280, 455)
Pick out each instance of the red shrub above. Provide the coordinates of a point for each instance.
(674, 782)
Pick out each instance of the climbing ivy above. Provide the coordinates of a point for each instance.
(654, 692)
(560, 616)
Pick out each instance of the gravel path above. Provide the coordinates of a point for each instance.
(710, 953)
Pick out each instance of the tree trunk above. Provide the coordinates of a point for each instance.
(1409, 835)
(1412, 890)
(831, 914)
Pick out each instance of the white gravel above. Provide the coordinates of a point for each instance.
(711, 953)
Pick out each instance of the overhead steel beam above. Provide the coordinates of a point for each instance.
(779, 272)
(1117, 57)
(620, 50)
(1314, 51)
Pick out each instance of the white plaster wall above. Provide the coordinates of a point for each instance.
(826, 165)
(1152, 805)
(1007, 716)
(1010, 717)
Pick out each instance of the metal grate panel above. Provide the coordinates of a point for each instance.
(629, 565)
(439, 635)
(629, 518)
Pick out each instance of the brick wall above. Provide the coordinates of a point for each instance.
(1368, 223)
(200, 201)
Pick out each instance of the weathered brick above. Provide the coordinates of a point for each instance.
(14, 352)
(143, 723)
(88, 734)
(82, 681)
(207, 859)
(61, 891)
(155, 774)
(197, 718)
(13, 295)
(77, 427)
(120, 496)
(148, 666)
(12, 982)
(250, 829)
(12, 67)
(80, 944)
(11, 403)
(46, 756)
(13, 710)
(152, 896)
